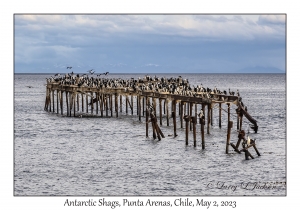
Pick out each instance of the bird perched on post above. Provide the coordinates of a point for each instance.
(201, 114)
(248, 141)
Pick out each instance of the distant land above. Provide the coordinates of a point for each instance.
(259, 69)
(145, 70)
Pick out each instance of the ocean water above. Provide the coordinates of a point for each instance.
(60, 155)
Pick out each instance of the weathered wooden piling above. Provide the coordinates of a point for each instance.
(53, 100)
(228, 135)
(208, 118)
(174, 116)
(191, 113)
(181, 114)
(100, 97)
(241, 120)
(220, 115)
(120, 103)
(111, 104)
(131, 104)
(194, 121)
(228, 111)
(61, 103)
(160, 111)
(57, 110)
(167, 107)
(237, 119)
(187, 121)
(202, 123)
(139, 108)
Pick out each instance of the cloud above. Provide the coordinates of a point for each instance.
(219, 26)
(273, 19)
(181, 42)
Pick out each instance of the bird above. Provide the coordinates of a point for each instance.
(248, 141)
(106, 73)
(69, 67)
(201, 114)
(90, 70)
(29, 86)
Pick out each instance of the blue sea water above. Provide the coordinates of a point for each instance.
(60, 155)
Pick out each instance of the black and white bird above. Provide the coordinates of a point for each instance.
(90, 71)
(201, 114)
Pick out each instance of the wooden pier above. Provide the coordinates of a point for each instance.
(79, 100)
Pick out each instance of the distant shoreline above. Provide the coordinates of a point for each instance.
(138, 73)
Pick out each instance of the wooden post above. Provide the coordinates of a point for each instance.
(241, 120)
(110, 104)
(61, 102)
(77, 102)
(228, 112)
(208, 117)
(188, 108)
(153, 129)
(202, 122)
(67, 103)
(187, 121)
(220, 115)
(191, 113)
(147, 116)
(139, 107)
(126, 99)
(49, 97)
(97, 99)
(53, 100)
(71, 103)
(211, 115)
(131, 104)
(116, 105)
(174, 117)
(87, 103)
(160, 112)
(74, 102)
(121, 103)
(92, 102)
(156, 130)
(143, 106)
(167, 107)
(194, 120)
(181, 114)
(57, 109)
(102, 104)
(82, 107)
(228, 135)
(106, 104)
(256, 149)
(237, 119)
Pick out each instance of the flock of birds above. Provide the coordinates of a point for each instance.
(171, 85)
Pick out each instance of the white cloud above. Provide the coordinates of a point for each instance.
(214, 26)
(274, 19)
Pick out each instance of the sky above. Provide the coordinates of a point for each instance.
(123, 43)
